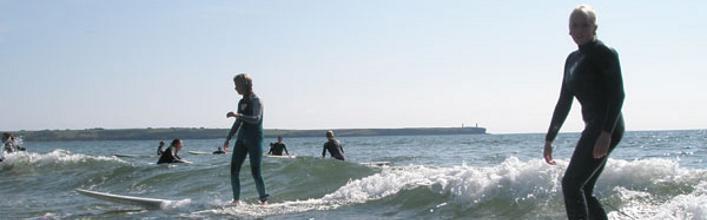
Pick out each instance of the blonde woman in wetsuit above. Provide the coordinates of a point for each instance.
(593, 76)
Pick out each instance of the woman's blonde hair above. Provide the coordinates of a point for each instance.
(586, 10)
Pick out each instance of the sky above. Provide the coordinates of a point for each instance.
(327, 64)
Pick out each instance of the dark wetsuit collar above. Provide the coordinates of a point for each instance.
(250, 97)
(588, 45)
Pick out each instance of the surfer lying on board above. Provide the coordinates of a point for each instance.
(219, 151)
(171, 154)
(160, 151)
(334, 147)
(276, 148)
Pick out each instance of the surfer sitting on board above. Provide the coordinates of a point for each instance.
(171, 154)
(276, 148)
(334, 147)
(219, 151)
(160, 151)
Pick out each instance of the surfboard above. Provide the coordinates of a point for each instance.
(377, 163)
(198, 152)
(125, 155)
(149, 203)
(281, 156)
(135, 156)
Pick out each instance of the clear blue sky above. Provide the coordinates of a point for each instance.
(337, 64)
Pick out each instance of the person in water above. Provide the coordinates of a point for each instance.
(160, 151)
(219, 151)
(249, 140)
(171, 154)
(333, 146)
(278, 147)
(7, 145)
(593, 76)
(10, 143)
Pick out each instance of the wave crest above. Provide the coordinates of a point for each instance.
(57, 157)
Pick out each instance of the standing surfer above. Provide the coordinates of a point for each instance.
(593, 76)
(249, 140)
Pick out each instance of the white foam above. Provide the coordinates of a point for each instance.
(47, 216)
(56, 157)
(648, 172)
(173, 204)
(513, 180)
(686, 206)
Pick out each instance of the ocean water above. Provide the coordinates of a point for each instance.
(651, 175)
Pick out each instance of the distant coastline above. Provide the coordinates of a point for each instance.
(212, 133)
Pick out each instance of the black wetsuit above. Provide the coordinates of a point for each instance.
(277, 148)
(335, 149)
(170, 156)
(219, 151)
(592, 75)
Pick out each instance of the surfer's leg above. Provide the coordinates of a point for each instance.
(255, 152)
(580, 170)
(595, 208)
(239, 152)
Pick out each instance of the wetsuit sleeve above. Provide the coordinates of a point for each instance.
(324, 151)
(256, 115)
(562, 108)
(613, 83)
(233, 130)
(173, 156)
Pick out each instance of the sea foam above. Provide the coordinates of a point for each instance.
(53, 158)
(515, 181)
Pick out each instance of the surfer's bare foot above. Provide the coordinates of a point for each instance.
(234, 202)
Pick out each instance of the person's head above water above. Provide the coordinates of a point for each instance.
(583, 24)
(176, 143)
(161, 143)
(244, 84)
(279, 139)
(330, 134)
(6, 136)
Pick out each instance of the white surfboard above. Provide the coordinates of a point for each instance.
(377, 163)
(281, 156)
(149, 203)
(198, 152)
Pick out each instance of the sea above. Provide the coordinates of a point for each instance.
(650, 175)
